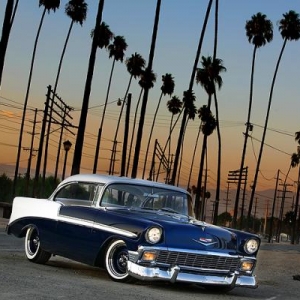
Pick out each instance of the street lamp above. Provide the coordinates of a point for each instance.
(67, 146)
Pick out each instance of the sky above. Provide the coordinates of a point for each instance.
(180, 25)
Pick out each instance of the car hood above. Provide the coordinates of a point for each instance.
(181, 231)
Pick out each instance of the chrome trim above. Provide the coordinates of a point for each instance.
(94, 225)
(204, 243)
(204, 252)
(175, 274)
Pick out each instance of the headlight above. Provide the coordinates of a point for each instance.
(153, 235)
(251, 246)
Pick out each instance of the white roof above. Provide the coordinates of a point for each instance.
(108, 179)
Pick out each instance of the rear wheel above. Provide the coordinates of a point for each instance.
(116, 258)
(33, 250)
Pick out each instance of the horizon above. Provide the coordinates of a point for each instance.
(178, 35)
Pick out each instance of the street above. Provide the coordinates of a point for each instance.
(64, 279)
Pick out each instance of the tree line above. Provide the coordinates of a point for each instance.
(206, 71)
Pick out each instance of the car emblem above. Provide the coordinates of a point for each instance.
(205, 241)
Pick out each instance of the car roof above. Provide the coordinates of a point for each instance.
(108, 179)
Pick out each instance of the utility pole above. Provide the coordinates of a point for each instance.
(227, 197)
(273, 208)
(126, 131)
(113, 158)
(266, 216)
(255, 208)
(284, 191)
(31, 150)
(40, 152)
(233, 177)
(159, 153)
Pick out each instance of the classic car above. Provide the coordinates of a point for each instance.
(135, 229)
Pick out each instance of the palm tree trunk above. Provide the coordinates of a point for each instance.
(120, 116)
(264, 132)
(180, 137)
(103, 116)
(181, 154)
(217, 200)
(199, 212)
(10, 11)
(87, 90)
(194, 154)
(51, 106)
(294, 235)
(150, 135)
(236, 205)
(133, 131)
(168, 142)
(198, 208)
(145, 96)
(26, 102)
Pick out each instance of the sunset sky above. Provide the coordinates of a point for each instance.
(178, 34)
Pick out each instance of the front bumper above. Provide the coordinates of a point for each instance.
(175, 274)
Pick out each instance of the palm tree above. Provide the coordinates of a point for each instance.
(191, 110)
(295, 237)
(76, 10)
(87, 90)
(104, 39)
(289, 27)
(217, 200)
(207, 77)
(9, 16)
(146, 92)
(147, 80)
(184, 117)
(174, 106)
(259, 31)
(208, 126)
(295, 159)
(48, 6)
(167, 88)
(105, 35)
(117, 51)
(135, 66)
(202, 112)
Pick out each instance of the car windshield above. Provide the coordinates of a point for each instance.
(147, 197)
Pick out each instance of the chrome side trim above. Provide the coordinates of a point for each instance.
(98, 226)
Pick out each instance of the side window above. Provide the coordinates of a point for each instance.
(121, 195)
(77, 193)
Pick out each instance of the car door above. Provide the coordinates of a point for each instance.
(75, 221)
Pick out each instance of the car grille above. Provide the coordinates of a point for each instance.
(211, 262)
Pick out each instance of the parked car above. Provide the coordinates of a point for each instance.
(135, 229)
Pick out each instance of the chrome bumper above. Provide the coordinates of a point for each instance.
(174, 274)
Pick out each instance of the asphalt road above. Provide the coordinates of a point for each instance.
(64, 279)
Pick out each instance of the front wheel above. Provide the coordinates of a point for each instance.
(116, 258)
(33, 250)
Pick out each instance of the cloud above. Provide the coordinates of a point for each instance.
(8, 114)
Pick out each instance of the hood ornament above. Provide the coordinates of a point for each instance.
(205, 241)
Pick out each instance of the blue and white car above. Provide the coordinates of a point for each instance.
(135, 229)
